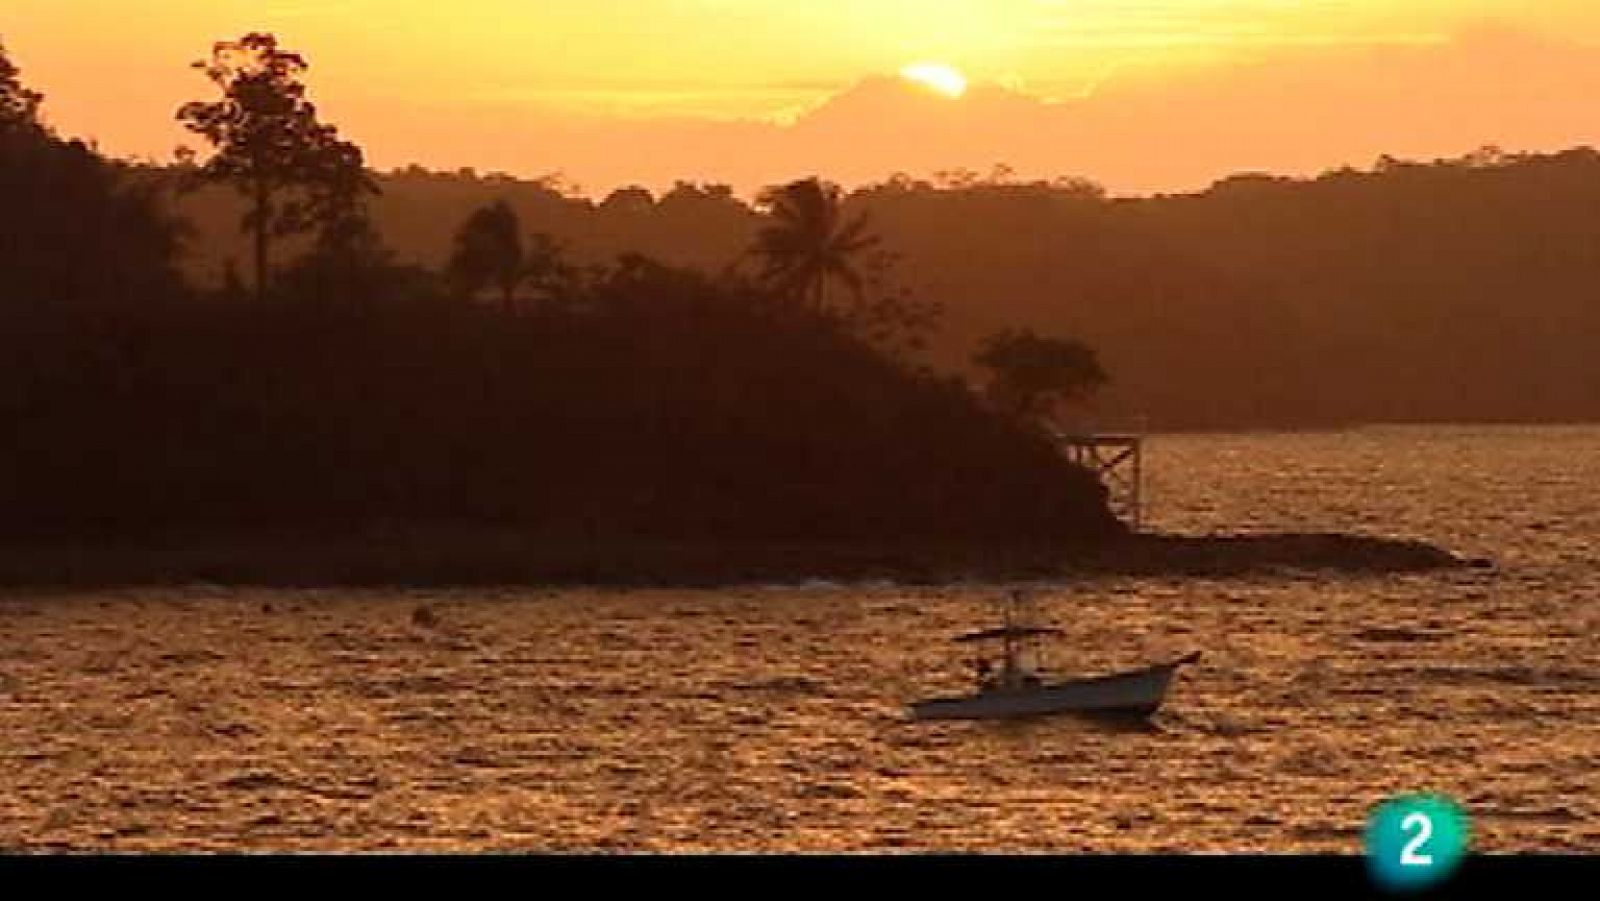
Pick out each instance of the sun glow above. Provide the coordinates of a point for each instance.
(937, 77)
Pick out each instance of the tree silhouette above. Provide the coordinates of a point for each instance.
(631, 199)
(490, 252)
(295, 171)
(347, 264)
(1033, 375)
(808, 242)
(544, 269)
(19, 107)
(81, 233)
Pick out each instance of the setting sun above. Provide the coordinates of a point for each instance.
(940, 78)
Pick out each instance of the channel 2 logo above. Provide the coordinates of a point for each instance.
(1416, 842)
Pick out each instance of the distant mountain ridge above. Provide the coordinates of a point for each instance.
(1457, 290)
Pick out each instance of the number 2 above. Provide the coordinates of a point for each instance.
(1408, 855)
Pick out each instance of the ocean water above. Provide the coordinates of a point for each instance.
(772, 718)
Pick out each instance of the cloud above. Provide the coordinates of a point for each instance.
(1292, 111)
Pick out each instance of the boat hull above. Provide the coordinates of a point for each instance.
(1136, 694)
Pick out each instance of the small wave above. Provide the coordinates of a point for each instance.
(1399, 634)
(782, 685)
(1509, 675)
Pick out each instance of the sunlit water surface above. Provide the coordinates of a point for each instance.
(772, 718)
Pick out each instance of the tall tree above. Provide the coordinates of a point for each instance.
(295, 171)
(1032, 375)
(808, 242)
(19, 107)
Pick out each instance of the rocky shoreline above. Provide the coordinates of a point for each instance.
(1223, 554)
(423, 557)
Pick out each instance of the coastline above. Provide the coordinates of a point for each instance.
(437, 557)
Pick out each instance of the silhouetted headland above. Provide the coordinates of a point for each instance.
(431, 557)
(521, 414)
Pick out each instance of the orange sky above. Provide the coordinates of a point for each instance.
(1143, 95)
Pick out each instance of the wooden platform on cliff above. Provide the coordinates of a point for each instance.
(1118, 459)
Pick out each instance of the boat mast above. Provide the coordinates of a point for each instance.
(1013, 648)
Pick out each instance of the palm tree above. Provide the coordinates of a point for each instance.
(808, 242)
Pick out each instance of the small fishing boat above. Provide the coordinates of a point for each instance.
(1015, 684)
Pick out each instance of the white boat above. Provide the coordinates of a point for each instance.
(1019, 687)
